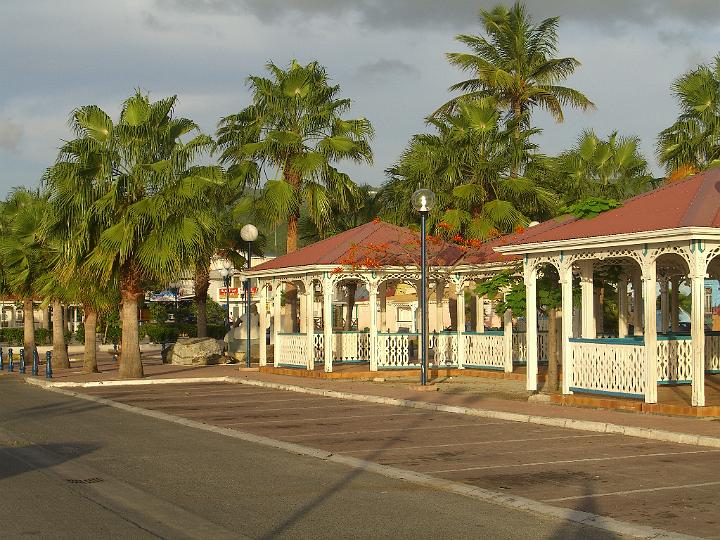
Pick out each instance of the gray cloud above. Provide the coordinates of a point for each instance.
(386, 68)
(10, 135)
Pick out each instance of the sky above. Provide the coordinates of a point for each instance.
(388, 56)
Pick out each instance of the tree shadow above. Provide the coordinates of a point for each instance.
(19, 457)
(574, 531)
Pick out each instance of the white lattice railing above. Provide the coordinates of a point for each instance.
(293, 350)
(351, 346)
(397, 350)
(610, 366)
(484, 350)
(444, 347)
(712, 352)
(319, 347)
(519, 346)
(674, 359)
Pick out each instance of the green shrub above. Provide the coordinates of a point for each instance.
(187, 329)
(42, 336)
(67, 334)
(216, 331)
(113, 334)
(161, 333)
(12, 336)
(80, 333)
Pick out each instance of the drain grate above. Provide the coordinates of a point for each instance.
(94, 480)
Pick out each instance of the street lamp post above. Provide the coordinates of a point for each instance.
(226, 274)
(423, 201)
(249, 234)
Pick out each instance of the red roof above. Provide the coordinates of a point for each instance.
(386, 244)
(693, 202)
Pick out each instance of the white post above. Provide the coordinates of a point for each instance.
(622, 306)
(382, 290)
(567, 324)
(480, 310)
(507, 334)
(373, 304)
(262, 319)
(531, 339)
(587, 309)
(328, 287)
(439, 296)
(664, 306)
(460, 291)
(638, 310)
(307, 316)
(277, 323)
(675, 304)
(650, 330)
(697, 326)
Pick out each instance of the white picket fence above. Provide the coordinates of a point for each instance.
(712, 353)
(293, 350)
(674, 359)
(351, 346)
(485, 350)
(615, 367)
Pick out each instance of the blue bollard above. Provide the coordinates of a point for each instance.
(11, 363)
(22, 361)
(36, 362)
(1, 359)
(48, 365)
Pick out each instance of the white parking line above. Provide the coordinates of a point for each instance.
(333, 418)
(499, 441)
(565, 461)
(451, 426)
(632, 491)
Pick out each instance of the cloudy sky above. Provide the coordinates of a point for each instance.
(387, 55)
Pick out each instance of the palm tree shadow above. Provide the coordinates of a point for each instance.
(18, 457)
(573, 531)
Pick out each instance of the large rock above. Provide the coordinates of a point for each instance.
(195, 351)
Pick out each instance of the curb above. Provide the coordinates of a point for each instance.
(425, 480)
(568, 423)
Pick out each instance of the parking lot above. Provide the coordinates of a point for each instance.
(669, 486)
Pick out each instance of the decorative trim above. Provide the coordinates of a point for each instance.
(606, 393)
(639, 341)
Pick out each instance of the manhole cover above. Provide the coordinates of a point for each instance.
(84, 480)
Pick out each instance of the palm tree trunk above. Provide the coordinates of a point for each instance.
(351, 290)
(130, 291)
(202, 283)
(60, 357)
(28, 328)
(90, 358)
(552, 350)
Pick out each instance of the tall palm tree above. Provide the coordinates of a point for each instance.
(610, 168)
(296, 132)
(515, 63)
(468, 162)
(132, 207)
(692, 143)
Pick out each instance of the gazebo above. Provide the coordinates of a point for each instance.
(663, 243)
(378, 258)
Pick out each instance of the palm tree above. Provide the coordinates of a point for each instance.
(129, 204)
(610, 168)
(295, 130)
(692, 143)
(469, 163)
(515, 63)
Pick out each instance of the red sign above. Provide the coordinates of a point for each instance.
(233, 293)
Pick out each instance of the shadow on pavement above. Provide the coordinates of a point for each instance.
(19, 457)
(571, 531)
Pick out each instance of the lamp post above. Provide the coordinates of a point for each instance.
(226, 273)
(249, 234)
(423, 200)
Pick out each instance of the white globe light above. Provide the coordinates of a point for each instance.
(423, 200)
(249, 233)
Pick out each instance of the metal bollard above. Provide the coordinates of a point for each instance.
(22, 361)
(11, 363)
(48, 365)
(36, 363)
(1, 359)
(114, 356)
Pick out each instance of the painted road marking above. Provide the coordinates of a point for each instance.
(327, 418)
(581, 460)
(632, 491)
(363, 431)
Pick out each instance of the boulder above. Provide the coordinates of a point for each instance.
(195, 351)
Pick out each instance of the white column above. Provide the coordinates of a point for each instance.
(639, 309)
(622, 306)
(531, 340)
(567, 319)
(262, 320)
(303, 311)
(277, 323)
(675, 304)
(327, 323)
(508, 330)
(373, 304)
(382, 291)
(480, 310)
(649, 279)
(439, 295)
(697, 325)
(664, 306)
(587, 309)
(307, 316)
(460, 291)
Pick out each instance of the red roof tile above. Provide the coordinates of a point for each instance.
(693, 202)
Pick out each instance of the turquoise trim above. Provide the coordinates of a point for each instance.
(350, 332)
(350, 361)
(485, 333)
(562, 255)
(645, 249)
(444, 333)
(411, 334)
(611, 341)
(674, 337)
(291, 366)
(606, 393)
(672, 383)
(290, 334)
(712, 371)
(480, 366)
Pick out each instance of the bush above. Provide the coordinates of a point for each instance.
(216, 331)
(12, 336)
(161, 333)
(113, 334)
(67, 334)
(80, 333)
(42, 336)
(187, 329)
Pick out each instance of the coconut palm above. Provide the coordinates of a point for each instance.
(595, 167)
(515, 63)
(128, 202)
(296, 132)
(469, 163)
(692, 143)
